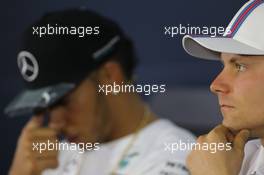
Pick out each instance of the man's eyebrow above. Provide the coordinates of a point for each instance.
(232, 60)
(236, 58)
(240, 57)
(244, 55)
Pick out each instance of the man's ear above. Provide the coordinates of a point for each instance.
(111, 72)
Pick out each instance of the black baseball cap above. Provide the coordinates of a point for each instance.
(59, 51)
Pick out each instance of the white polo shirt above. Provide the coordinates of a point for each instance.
(253, 163)
(147, 156)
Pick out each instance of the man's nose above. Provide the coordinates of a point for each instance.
(57, 119)
(222, 83)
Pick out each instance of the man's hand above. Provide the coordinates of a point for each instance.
(224, 162)
(29, 161)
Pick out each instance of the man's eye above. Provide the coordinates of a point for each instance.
(240, 67)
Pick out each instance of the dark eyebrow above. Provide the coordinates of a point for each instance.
(239, 57)
(244, 55)
(232, 60)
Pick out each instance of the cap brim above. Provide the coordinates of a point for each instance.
(30, 101)
(211, 47)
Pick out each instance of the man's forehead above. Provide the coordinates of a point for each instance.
(230, 57)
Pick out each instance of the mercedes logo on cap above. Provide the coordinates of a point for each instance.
(28, 65)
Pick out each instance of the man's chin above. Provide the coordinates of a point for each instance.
(232, 127)
(235, 128)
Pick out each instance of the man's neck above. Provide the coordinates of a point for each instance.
(127, 113)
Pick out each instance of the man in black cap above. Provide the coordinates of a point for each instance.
(67, 60)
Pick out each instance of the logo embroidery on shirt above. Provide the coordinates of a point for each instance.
(124, 162)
